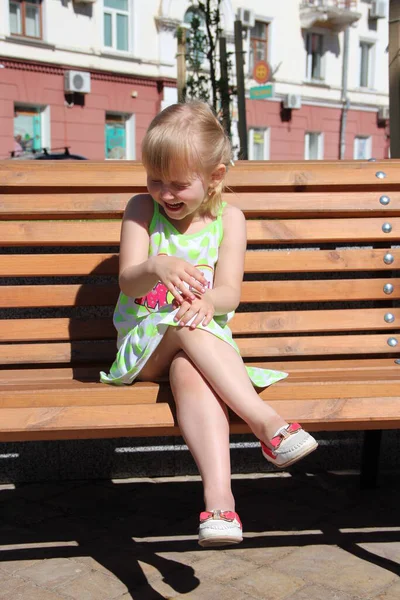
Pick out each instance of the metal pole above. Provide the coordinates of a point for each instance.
(181, 64)
(394, 77)
(243, 154)
(345, 100)
(226, 116)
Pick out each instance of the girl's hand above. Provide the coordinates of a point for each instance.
(179, 276)
(200, 306)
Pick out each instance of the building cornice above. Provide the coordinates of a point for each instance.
(50, 69)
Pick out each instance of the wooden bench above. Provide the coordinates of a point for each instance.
(320, 298)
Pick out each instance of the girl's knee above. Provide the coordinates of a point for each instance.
(182, 371)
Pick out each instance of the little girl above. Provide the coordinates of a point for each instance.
(181, 269)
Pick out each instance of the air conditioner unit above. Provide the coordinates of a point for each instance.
(246, 16)
(292, 101)
(377, 10)
(383, 113)
(77, 81)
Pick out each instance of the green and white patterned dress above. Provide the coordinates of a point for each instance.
(142, 322)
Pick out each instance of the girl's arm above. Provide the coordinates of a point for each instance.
(225, 295)
(138, 273)
(136, 277)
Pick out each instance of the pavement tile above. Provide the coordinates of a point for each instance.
(222, 567)
(14, 566)
(391, 593)
(389, 550)
(261, 555)
(93, 586)
(8, 586)
(318, 592)
(52, 572)
(264, 579)
(343, 571)
(31, 592)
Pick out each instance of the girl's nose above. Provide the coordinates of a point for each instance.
(165, 192)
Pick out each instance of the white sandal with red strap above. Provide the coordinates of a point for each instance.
(290, 444)
(220, 528)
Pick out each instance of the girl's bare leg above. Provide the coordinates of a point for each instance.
(225, 372)
(204, 424)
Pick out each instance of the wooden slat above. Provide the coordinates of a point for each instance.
(78, 422)
(254, 204)
(34, 330)
(250, 174)
(86, 352)
(310, 370)
(252, 291)
(258, 261)
(53, 423)
(74, 393)
(95, 233)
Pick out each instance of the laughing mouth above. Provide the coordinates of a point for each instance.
(173, 206)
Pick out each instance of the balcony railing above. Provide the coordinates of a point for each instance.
(336, 14)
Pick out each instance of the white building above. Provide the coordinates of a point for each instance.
(126, 51)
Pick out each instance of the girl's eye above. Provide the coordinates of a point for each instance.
(155, 181)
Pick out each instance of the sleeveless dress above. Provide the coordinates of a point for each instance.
(142, 322)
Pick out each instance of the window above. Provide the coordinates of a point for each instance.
(314, 45)
(314, 146)
(258, 143)
(116, 24)
(28, 130)
(26, 18)
(366, 49)
(362, 147)
(258, 43)
(119, 136)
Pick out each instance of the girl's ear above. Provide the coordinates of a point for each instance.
(217, 176)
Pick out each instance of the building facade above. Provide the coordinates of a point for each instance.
(91, 74)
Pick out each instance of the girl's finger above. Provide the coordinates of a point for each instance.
(186, 318)
(197, 275)
(176, 294)
(208, 318)
(184, 307)
(199, 318)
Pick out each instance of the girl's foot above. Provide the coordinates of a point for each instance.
(219, 528)
(290, 444)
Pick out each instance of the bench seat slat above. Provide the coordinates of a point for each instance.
(130, 174)
(95, 233)
(76, 393)
(80, 422)
(252, 291)
(86, 352)
(77, 422)
(259, 261)
(33, 330)
(66, 204)
(312, 370)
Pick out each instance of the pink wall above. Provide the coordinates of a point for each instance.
(287, 138)
(80, 127)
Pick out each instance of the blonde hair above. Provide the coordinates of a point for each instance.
(187, 138)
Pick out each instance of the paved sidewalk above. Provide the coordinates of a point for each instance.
(307, 537)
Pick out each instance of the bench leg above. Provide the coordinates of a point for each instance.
(370, 459)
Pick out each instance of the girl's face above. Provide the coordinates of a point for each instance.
(181, 197)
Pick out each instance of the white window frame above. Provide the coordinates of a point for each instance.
(320, 150)
(130, 134)
(368, 146)
(131, 30)
(267, 139)
(309, 77)
(371, 64)
(45, 121)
